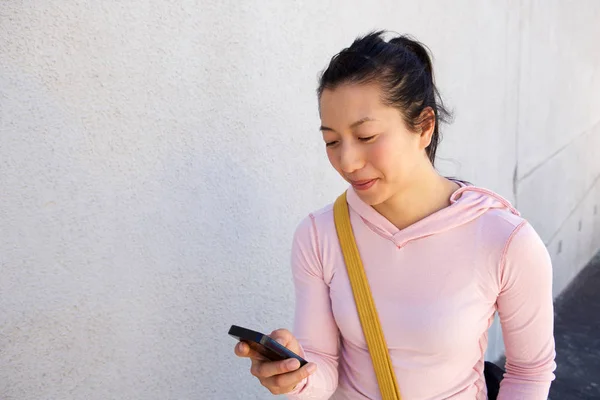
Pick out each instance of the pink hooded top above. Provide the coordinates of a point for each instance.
(436, 285)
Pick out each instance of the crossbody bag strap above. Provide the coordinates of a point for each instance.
(386, 378)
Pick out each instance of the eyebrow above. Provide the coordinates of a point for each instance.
(352, 126)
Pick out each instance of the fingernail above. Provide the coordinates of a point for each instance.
(280, 341)
(311, 368)
(292, 364)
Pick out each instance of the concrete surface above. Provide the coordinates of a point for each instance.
(577, 333)
(155, 157)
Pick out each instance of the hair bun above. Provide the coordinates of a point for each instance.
(415, 47)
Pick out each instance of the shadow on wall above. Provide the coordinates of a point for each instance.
(59, 325)
(223, 259)
(124, 265)
(212, 222)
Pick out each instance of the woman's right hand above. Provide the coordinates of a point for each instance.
(279, 377)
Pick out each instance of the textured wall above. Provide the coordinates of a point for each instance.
(155, 157)
(558, 173)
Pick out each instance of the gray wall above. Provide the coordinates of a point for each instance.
(156, 156)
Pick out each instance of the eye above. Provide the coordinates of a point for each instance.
(367, 139)
(330, 144)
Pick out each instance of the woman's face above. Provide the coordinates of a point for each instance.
(368, 142)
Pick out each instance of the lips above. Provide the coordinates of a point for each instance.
(363, 184)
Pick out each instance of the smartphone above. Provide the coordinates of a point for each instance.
(264, 345)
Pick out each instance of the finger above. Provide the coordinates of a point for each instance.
(283, 336)
(271, 368)
(289, 380)
(243, 350)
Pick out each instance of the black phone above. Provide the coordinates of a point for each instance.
(264, 345)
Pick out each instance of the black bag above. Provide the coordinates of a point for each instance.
(493, 375)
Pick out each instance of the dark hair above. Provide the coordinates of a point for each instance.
(402, 67)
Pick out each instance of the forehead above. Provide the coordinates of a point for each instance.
(350, 102)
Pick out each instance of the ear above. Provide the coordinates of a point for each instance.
(427, 126)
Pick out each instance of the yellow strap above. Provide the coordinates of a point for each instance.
(364, 303)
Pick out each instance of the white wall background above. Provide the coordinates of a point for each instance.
(156, 156)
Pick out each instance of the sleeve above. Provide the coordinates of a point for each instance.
(526, 313)
(314, 324)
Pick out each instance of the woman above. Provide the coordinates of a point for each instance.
(441, 256)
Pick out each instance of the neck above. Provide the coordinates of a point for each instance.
(427, 193)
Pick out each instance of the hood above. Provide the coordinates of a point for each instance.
(466, 204)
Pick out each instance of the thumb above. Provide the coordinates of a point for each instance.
(286, 339)
(283, 337)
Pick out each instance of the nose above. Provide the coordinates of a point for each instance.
(351, 158)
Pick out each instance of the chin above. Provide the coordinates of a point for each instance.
(373, 196)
